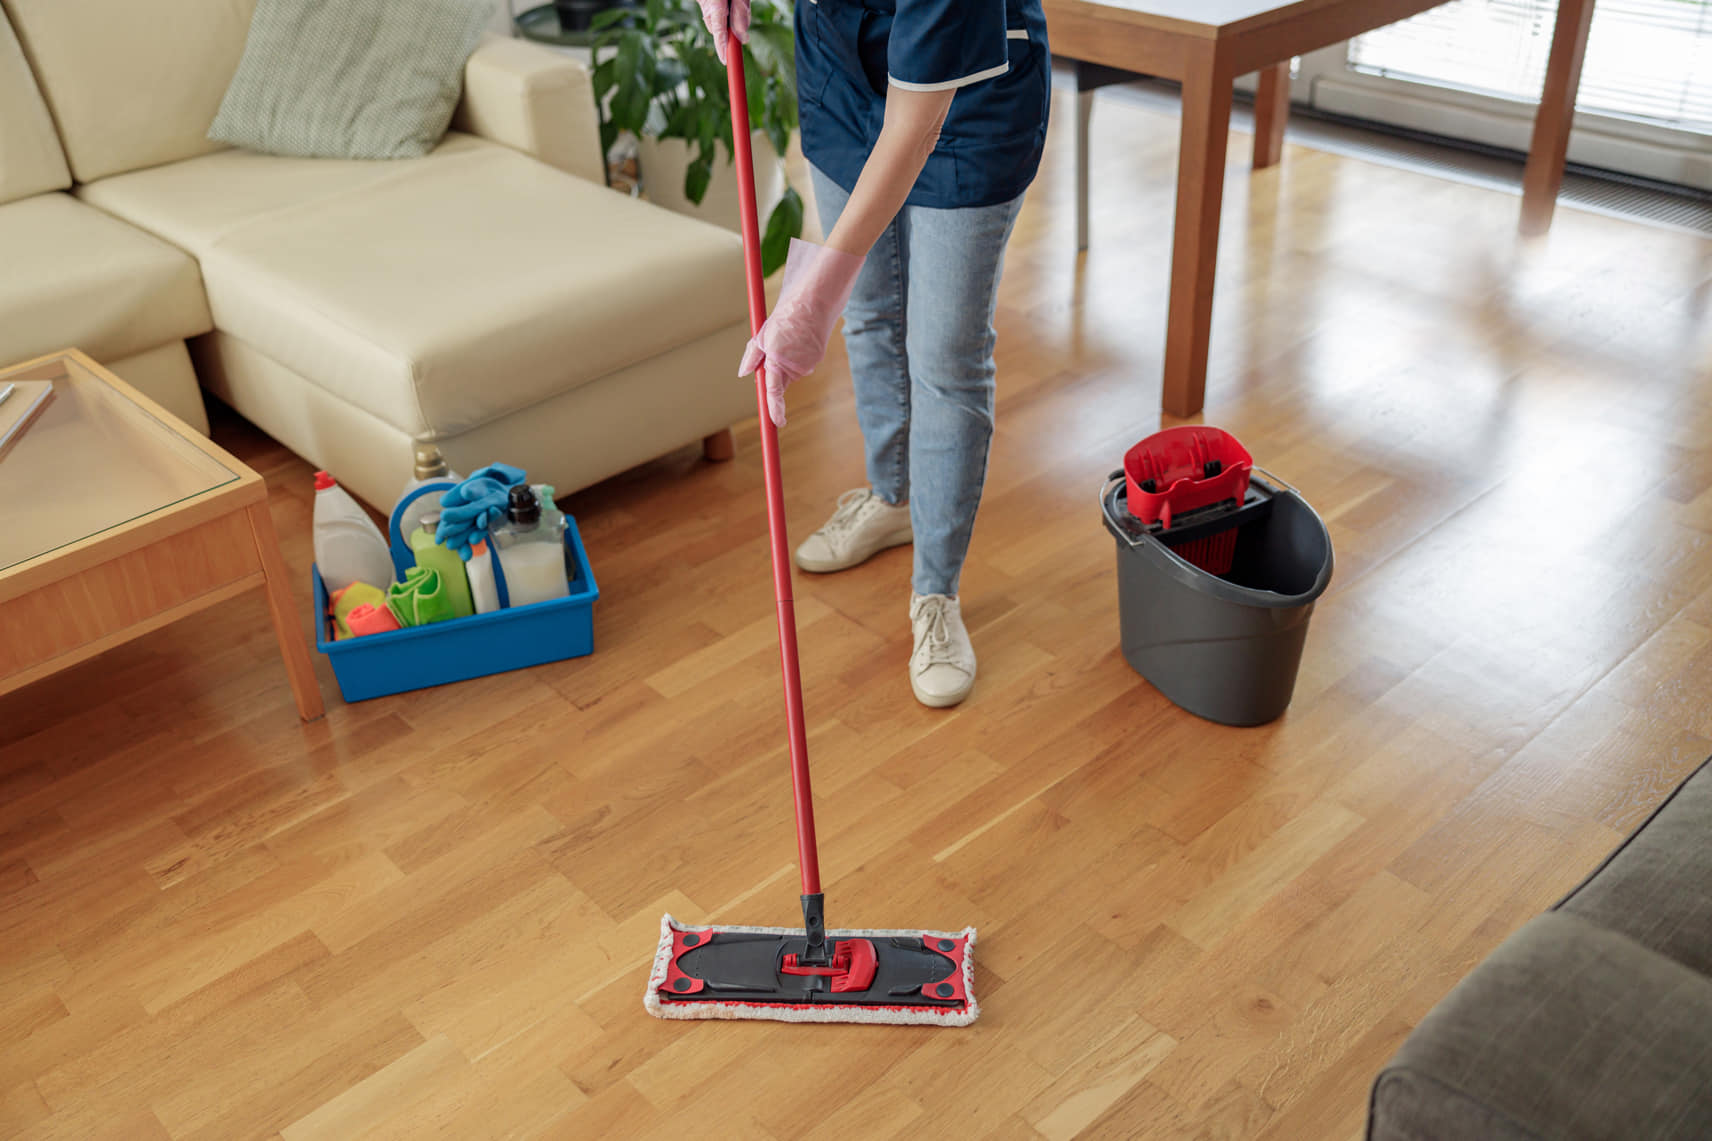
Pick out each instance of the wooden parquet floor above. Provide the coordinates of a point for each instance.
(431, 915)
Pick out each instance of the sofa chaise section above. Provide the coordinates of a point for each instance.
(396, 300)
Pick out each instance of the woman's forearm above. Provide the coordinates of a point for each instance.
(907, 138)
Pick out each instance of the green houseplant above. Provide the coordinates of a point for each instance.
(658, 77)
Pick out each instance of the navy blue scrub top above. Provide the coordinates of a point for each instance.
(993, 52)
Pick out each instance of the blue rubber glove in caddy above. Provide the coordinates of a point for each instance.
(469, 509)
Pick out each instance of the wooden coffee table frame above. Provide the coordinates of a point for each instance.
(72, 603)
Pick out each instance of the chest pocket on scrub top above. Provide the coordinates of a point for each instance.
(851, 39)
(1007, 105)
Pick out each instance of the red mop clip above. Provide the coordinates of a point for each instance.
(950, 988)
(676, 981)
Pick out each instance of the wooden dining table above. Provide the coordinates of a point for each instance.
(1206, 45)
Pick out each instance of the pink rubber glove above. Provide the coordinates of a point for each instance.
(793, 339)
(723, 16)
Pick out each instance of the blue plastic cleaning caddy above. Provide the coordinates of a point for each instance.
(421, 656)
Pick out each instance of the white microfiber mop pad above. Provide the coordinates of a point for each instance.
(904, 1015)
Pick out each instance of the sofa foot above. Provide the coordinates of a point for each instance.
(720, 446)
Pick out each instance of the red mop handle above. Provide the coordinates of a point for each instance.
(807, 856)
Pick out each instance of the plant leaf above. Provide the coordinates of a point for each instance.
(628, 61)
(786, 108)
(679, 124)
(778, 130)
(630, 108)
(610, 18)
(780, 137)
(697, 176)
(648, 55)
(755, 83)
(705, 71)
(604, 77)
(775, 50)
(634, 68)
(707, 130)
(783, 224)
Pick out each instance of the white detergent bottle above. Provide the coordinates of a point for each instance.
(531, 550)
(431, 467)
(483, 593)
(348, 546)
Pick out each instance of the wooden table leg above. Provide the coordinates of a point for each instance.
(1195, 244)
(292, 648)
(1546, 156)
(1084, 119)
(720, 446)
(1089, 78)
(1271, 113)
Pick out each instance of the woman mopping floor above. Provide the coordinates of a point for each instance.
(923, 122)
(811, 974)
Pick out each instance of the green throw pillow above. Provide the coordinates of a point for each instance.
(350, 78)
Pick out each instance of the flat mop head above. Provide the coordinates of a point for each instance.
(923, 978)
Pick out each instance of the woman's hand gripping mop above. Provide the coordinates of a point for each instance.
(806, 974)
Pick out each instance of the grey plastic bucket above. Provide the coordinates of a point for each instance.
(1224, 647)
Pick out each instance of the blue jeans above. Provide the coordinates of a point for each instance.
(919, 331)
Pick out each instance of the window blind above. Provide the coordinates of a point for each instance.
(1646, 59)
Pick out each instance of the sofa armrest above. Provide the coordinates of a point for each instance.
(1568, 1032)
(534, 100)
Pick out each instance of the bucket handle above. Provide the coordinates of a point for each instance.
(1111, 525)
(1277, 483)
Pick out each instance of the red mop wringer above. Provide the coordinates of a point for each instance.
(806, 974)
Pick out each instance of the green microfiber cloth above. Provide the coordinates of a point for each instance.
(420, 599)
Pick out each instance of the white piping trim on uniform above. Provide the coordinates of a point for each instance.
(951, 84)
(1010, 33)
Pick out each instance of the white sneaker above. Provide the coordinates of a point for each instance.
(862, 527)
(942, 668)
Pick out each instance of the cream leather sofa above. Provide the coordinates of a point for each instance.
(493, 296)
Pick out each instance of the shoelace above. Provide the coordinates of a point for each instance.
(939, 644)
(850, 506)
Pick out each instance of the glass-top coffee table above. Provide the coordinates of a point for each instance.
(121, 518)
